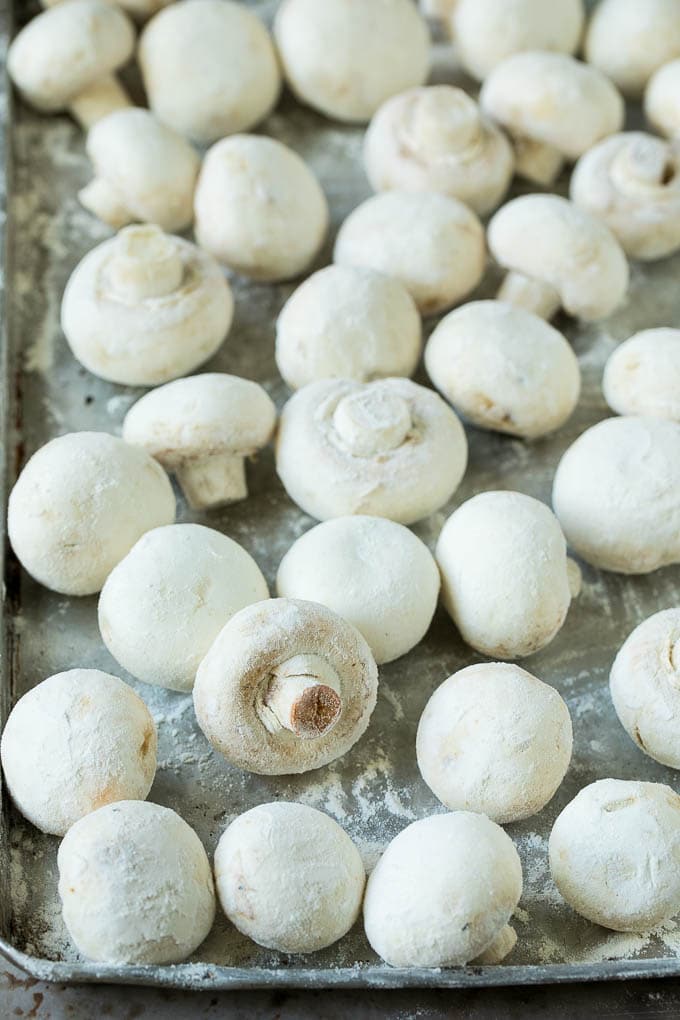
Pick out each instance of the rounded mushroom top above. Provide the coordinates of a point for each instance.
(554, 99)
(140, 10)
(642, 376)
(662, 99)
(548, 238)
(66, 49)
(389, 449)
(629, 40)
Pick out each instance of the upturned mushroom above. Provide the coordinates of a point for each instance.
(201, 429)
(553, 107)
(642, 376)
(145, 307)
(388, 449)
(628, 40)
(662, 100)
(557, 256)
(437, 139)
(143, 171)
(287, 686)
(66, 59)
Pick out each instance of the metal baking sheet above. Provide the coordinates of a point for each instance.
(375, 790)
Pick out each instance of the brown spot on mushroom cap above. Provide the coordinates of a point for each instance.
(316, 711)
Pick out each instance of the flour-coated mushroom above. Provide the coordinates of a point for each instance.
(437, 139)
(209, 68)
(135, 885)
(614, 854)
(373, 572)
(289, 877)
(77, 741)
(286, 687)
(617, 494)
(557, 255)
(80, 504)
(628, 40)
(505, 576)
(642, 375)
(388, 448)
(494, 739)
(662, 100)
(504, 368)
(442, 892)
(243, 180)
(432, 243)
(201, 429)
(165, 603)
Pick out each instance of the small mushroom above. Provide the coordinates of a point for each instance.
(554, 108)
(642, 376)
(144, 307)
(387, 449)
(66, 58)
(436, 139)
(209, 68)
(286, 687)
(629, 40)
(202, 429)
(557, 255)
(143, 171)
(432, 243)
(138, 10)
(662, 100)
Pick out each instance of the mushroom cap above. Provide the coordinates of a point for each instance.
(346, 322)
(628, 40)
(504, 368)
(442, 891)
(242, 180)
(165, 603)
(149, 165)
(80, 504)
(135, 885)
(66, 49)
(77, 741)
(505, 582)
(554, 99)
(373, 572)
(200, 416)
(140, 10)
(346, 57)
(617, 494)
(494, 739)
(232, 681)
(550, 239)
(432, 243)
(388, 448)
(607, 842)
(303, 875)
(642, 376)
(146, 341)
(662, 100)
(436, 139)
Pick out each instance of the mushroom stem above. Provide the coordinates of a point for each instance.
(213, 481)
(147, 264)
(106, 203)
(372, 421)
(502, 946)
(529, 293)
(574, 577)
(102, 97)
(303, 696)
(537, 161)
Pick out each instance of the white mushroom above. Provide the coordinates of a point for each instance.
(373, 572)
(614, 854)
(494, 739)
(388, 449)
(77, 741)
(209, 68)
(554, 108)
(432, 243)
(503, 368)
(629, 40)
(165, 603)
(66, 58)
(289, 877)
(437, 139)
(505, 577)
(442, 892)
(617, 494)
(662, 100)
(557, 255)
(259, 208)
(143, 171)
(287, 686)
(202, 429)
(642, 376)
(145, 307)
(346, 57)
(139, 10)
(135, 885)
(80, 504)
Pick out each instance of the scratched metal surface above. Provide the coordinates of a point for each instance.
(376, 789)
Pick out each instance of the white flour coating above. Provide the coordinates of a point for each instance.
(642, 375)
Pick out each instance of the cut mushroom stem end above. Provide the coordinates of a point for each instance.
(213, 481)
(101, 98)
(147, 264)
(537, 161)
(369, 423)
(531, 294)
(303, 697)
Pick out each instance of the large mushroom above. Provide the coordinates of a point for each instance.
(629, 40)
